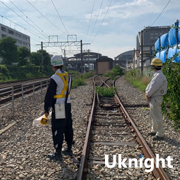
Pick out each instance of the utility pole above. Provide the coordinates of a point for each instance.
(88, 60)
(81, 57)
(42, 55)
(142, 52)
(64, 58)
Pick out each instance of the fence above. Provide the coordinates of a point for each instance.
(38, 85)
(168, 44)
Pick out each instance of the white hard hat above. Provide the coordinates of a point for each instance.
(57, 60)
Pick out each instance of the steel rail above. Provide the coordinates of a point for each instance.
(83, 163)
(158, 172)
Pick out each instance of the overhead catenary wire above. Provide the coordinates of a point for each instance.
(90, 20)
(45, 16)
(24, 29)
(96, 19)
(60, 17)
(29, 18)
(102, 20)
(19, 16)
(161, 12)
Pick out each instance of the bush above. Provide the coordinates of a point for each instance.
(107, 92)
(134, 77)
(116, 71)
(4, 70)
(88, 75)
(78, 82)
(171, 101)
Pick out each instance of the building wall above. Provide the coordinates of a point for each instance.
(21, 39)
(122, 58)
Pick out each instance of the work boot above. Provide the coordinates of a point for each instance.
(158, 138)
(151, 134)
(68, 151)
(55, 156)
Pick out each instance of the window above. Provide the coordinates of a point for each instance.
(18, 41)
(3, 29)
(10, 32)
(156, 33)
(3, 35)
(152, 34)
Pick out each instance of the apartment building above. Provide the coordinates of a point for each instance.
(21, 39)
(150, 35)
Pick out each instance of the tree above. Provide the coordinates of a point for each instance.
(23, 54)
(8, 50)
(36, 58)
(46, 58)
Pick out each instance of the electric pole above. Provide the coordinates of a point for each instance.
(81, 57)
(142, 52)
(42, 56)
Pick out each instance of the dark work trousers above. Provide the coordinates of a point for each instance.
(61, 127)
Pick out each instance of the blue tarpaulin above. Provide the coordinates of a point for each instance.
(179, 34)
(172, 37)
(164, 41)
(171, 52)
(157, 47)
(162, 56)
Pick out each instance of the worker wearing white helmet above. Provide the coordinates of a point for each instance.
(154, 94)
(57, 97)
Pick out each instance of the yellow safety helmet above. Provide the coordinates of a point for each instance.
(156, 62)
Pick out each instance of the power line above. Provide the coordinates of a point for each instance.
(161, 12)
(28, 18)
(90, 19)
(59, 17)
(102, 20)
(24, 29)
(21, 27)
(96, 19)
(18, 15)
(44, 16)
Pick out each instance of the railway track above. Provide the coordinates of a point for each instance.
(17, 89)
(11, 83)
(110, 132)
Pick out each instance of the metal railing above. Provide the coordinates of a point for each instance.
(37, 87)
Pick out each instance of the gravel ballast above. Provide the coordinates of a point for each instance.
(24, 148)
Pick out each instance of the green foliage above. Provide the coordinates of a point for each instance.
(8, 50)
(107, 92)
(88, 75)
(78, 82)
(23, 55)
(171, 101)
(46, 58)
(134, 77)
(3, 69)
(35, 58)
(116, 71)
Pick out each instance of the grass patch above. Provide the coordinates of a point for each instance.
(107, 92)
(116, 71)
(140, 82)
(78, 82)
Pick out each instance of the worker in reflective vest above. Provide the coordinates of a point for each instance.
(57, 97)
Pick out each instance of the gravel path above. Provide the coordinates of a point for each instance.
(23, 148)
(170, 146)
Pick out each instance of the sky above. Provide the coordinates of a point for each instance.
(110, 26)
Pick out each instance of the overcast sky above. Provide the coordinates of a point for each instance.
(110, 26)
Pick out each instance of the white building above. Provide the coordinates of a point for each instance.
(21, 39)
